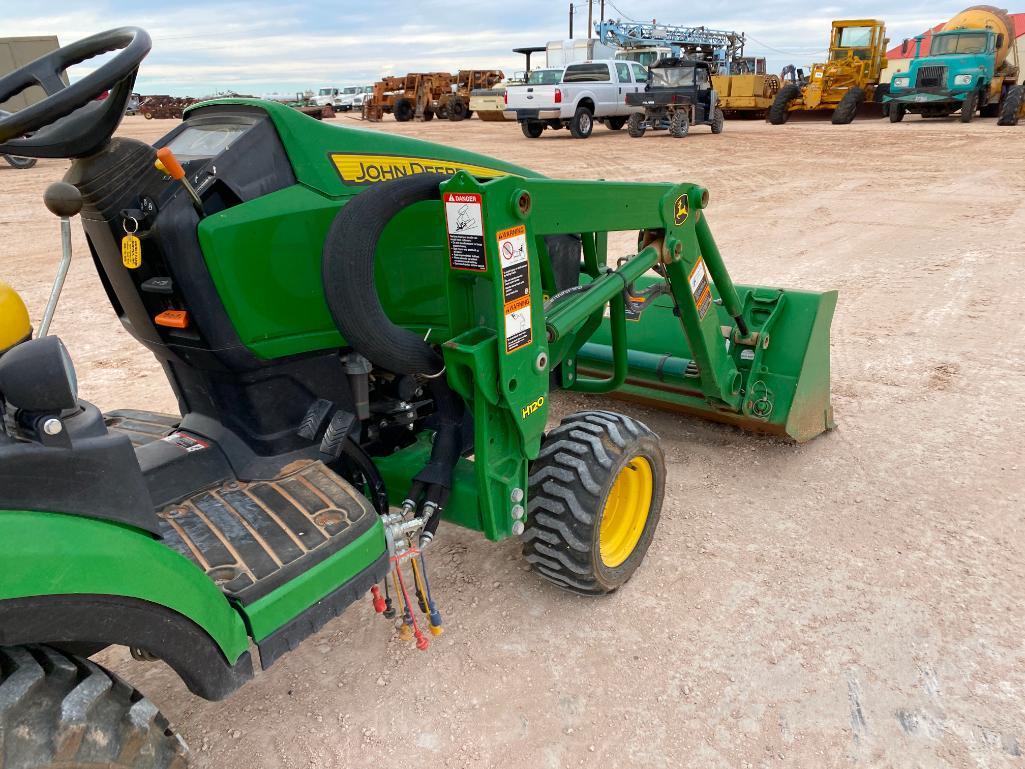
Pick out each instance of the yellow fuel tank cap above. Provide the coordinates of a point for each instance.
(15, 325)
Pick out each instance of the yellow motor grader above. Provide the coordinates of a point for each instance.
(850, 78)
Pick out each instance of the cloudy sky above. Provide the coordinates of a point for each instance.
(261, 47)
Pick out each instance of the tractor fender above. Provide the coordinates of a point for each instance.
(76, 581)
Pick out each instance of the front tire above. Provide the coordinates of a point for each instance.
(897, 112)
(971, 103)
(532, 129)
(582, 123)
(847, 109)
(1010, 107)
(62, 711)
(595, 496)
(17, 161)
(635, 125)
(403, 110)
(718, 121)
(779, 112)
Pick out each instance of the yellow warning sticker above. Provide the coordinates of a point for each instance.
(700, 288)
(368, 169)
(512, 250)
(131, 252)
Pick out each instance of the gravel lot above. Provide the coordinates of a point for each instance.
(856, 601)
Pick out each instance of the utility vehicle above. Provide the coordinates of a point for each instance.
(678, 94)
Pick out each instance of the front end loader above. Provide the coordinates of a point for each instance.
(363, 333)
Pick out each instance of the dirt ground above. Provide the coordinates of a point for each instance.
(856, 601)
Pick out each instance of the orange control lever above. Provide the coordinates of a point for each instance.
(170, 163)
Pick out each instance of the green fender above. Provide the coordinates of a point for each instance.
(46, 554)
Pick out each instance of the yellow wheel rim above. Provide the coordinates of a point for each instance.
(626, 512)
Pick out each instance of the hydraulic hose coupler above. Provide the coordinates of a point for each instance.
(357, 369)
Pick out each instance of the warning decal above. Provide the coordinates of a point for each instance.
(700, 288)
(185, 442)
(465, 231)
(512, 253)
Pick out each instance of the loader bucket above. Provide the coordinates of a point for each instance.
(783, 363)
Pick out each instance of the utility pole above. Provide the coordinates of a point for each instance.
(601, 14)
(571, 20)
(590, 17)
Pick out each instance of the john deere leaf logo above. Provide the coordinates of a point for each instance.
(680, 210)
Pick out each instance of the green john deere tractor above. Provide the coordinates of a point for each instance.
(362, 332)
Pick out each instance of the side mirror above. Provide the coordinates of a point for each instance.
(904, 47)
(1000, 40)
(38, 375)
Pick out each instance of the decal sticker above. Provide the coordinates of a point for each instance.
(700, 288)
(681, 210)
(186, 442)
(530, 408)
(465, 231)
(367, 169)
(512, 254)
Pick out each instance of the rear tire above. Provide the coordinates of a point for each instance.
(635, 125)
(718, 121)
(679, 124)
(403, 110)
(428, 115)
(897, 112)
(615, 123)
(62, 711)
(457, 109)
(971, 103)
(442, 111)
(847, 109)
(595, 496)
(582, 123)
(1010, 107)
(779, 112)
(531, 129)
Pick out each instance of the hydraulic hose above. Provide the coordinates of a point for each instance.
(351, 293)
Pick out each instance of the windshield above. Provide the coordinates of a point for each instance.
(326, 92)
(855, 37)
(974, 42)
(353, 89)
(672, 77)
(544, 77)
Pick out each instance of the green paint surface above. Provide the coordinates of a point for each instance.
(55, 554)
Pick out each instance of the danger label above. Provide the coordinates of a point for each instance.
(465, 231)
(700, 288)
(512, 253)
(186, 442)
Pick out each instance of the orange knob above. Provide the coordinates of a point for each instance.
(170, 163)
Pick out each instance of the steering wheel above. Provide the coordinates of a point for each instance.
(69, 122)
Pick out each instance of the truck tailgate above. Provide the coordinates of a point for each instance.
(531, 97)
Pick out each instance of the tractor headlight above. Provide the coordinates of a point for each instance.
(963, 80)
(901, 82)
(38, 375)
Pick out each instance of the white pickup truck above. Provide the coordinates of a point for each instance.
(587, 91)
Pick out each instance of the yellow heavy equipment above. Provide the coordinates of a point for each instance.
(747, 91)
(850, 78)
